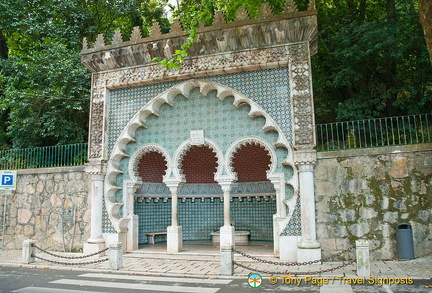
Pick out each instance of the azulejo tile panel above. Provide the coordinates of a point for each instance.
(268, 88)
(200, 218)
(221, 121)
(294, 226)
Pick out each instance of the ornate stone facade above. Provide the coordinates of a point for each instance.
(245, 45)
(220, 54)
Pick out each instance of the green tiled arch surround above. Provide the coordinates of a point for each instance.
(221, 121)
(268, 88)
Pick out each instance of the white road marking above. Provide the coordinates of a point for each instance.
(118, 285)
(387, 288)
(157, 279)
(336, 289)
(49, 290)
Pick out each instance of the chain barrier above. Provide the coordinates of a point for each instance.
(296, 273)
(295, 263)
(70, 257)
(71, 264)
(331, 257)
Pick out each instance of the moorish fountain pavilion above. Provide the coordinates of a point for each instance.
(223, 144)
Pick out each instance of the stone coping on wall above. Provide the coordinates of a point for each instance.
(243, 37)
(51, 170)
(375, 151)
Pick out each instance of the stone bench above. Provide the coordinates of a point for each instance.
(151, 236)
(240, 237)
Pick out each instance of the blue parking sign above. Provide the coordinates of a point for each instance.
(7, 180)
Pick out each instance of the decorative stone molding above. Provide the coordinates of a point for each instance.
(302, 96)
(244, 45)
(182, 150)
(95, 167)
(151, 108)
(305, 157)
(139, 153)
(253, 140)
(221, 37)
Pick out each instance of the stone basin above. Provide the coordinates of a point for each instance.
(240, 237)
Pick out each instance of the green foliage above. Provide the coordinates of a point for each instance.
(372, 59)
(47, 99)
(371, 62)
(44, 90)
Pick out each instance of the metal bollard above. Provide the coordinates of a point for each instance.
(362, 255)
(227, 260)
(116, 256)
(28, 251)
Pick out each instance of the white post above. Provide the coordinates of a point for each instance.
(227, 260)
(309, 247)
(96, 242)
(6, 193)
(174, 232)
(278, 181)
(226, 231)
(116, 256)
(129, 188)
(28, 251)
(96, 209)
(362, 256)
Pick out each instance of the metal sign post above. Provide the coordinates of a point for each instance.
(7, 185)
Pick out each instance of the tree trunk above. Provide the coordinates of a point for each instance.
(391, 64)
(425, 17)
(3, 46)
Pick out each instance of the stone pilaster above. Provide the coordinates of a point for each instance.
(309, 247)
(174, 232)
(226, 231)
(129, 189)
(96, 242)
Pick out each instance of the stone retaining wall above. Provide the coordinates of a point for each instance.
(359, 194)
(366, 193)
(42, 208)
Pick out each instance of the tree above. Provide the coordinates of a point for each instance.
(44, 90)
(372, 61)
(425, 16)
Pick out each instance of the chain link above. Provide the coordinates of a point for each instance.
(72, 264)
(70, 257)
(296, 273)
(294, 263)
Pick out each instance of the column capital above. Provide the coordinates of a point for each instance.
(225, 184)
(173, 184)
(95, 167)
(277, 180)
(305, 157)
(132, 184)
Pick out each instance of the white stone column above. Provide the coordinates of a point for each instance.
(96, 242)
(279, 186)
(226, 231)
(174, 232)
(129, 189)
(309, 247)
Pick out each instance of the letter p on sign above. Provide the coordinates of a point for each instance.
(8, 180)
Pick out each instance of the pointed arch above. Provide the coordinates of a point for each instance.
(128, 135)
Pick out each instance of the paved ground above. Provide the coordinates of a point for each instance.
(208, 265)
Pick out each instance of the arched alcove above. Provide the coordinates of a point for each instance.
(251, 162)
(199, 165)
(152, 167)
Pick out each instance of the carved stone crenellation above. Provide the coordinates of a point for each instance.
(271, 41)
(220, 37)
